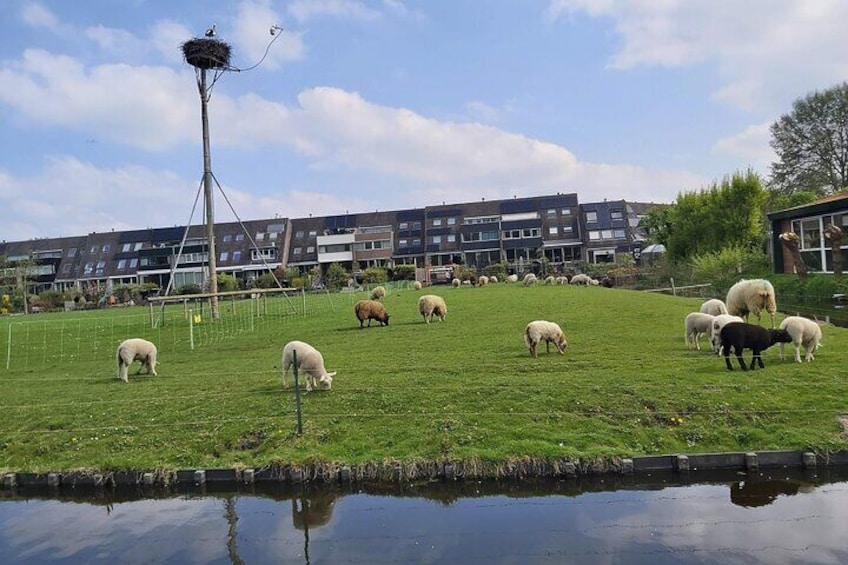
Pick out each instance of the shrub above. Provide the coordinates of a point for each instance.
(265, 280)
(51, 300)
(375, 275)
(337, 276)
(189, 288)
(403, 273)
(227, 283)
(496, 270)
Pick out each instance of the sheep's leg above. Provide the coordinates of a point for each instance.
(698, 341)
(548, 346)
(738, 351)
(533, 350)
(727, 357)
(797, 347)
(757, 359)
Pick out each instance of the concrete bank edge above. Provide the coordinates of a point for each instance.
(447, 471)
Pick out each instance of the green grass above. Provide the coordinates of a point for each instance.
(462, 390)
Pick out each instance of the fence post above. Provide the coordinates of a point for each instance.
(673, 290)
(191, 328)
(252, 307)
(9, 349)
(303, 296)
(297, 394)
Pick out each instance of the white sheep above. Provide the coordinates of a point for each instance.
(512, 278)
(804, 332)
(431, 305)
(697, 324)
(529, 279)
(541, 330)
(136, 349)
(483, 280)
(416, 285)
(456, 282)
(310, 363)
(550, 279)
(562, 280)
(715, 332)
(378, 293)
(493, 279)
(714, 307)
(583, 279)
(751, 297)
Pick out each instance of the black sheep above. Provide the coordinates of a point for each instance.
(741, 336)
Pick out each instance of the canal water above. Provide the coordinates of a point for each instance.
(779, 516)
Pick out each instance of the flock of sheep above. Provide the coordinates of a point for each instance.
(726, 325)
(724, 322)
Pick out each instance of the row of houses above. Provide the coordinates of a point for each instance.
(518, 231)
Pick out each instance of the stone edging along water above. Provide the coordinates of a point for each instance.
(388, 472)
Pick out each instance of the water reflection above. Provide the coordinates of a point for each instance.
(766, 518)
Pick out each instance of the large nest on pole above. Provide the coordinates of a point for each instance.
(207, 53)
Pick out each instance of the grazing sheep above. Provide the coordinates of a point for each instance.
(804, 332)
(751, 296)
(309, 361)
(466, 282)
(456, 283)
(549, 332)
(741, 336)
(697, 324)
(582, 279)
(714, 307)
(529, 279)
(550, 279)
(562, 280)
(512, 278)
(719, 322)
(136, 349)
(370, 310)
(431, 305)
(483, 280)
(416, 285)
(493, 279)
(378, 293)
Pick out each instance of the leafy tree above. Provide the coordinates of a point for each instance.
(726, 214)
(336, 276)
(657, 224)
(373, 275)
(811, 143)
(227, 283)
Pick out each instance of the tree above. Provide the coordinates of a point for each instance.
(811, 143)
(726, 214)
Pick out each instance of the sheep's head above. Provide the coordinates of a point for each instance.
(779, 336)
(561, 344)
(325, 381)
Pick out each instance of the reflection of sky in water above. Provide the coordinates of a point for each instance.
(687, 524)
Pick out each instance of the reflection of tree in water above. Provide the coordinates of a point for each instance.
(763, 492)
(314, 508)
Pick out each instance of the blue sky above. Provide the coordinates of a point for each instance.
(365, 105)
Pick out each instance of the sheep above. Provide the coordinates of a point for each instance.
(416, 285)
(529, 279)
(550, 279)
(430, 305)
(136, 349)
(456, 282)
(719, 322)
(370, 310)
(714, 307)
(582, 279)
(466, 282)
(511, 279)
(751, 296)
(493, 279)
(804, 332)
(309, 361)
(697, 324)
(562, 280)
(549, 332)
(378, 293)
(483, 280)
(741, 336)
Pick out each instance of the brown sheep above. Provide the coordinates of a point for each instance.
(370, 310)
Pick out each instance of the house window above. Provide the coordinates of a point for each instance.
(239, 237)
(126, 248)
(594, 235)
(122, 264)
(551, 212)
(260, 236)
(272, 235)
(565, 212)
(403, 243)
(275, 228)
(606, 234)
(437, 222)
(73, 251)
(437, 239)
(591, 216)
(451, 221)
(313, 233)
(416, 225)
(225, 255)
(618, 234)
(93, 249)
(416, 242)
(236, 255)
(553, 230)
(298, 250)
(267, 253)
(451, 238)
(133, 263)
(100, 266)
(89, 267)
(228, 238)
(616, 215)
(138, 246)
(403, 226)
(106, 248)
(298, 235)
(310, 249)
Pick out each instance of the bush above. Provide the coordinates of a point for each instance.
(265, 280)
(337, 276)
(373, 275)
(51, 300)
(496, 270)
(227, 283)
(190, 288)
(403, 273)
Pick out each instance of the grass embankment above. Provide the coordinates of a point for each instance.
(462, 390)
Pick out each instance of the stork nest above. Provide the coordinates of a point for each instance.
(207, 53)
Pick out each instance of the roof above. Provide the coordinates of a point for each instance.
(832, 203)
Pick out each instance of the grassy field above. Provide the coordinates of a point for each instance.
(462, 390)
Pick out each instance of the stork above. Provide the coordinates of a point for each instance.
(211, 31)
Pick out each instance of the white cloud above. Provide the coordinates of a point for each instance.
(251, 32)
(36, 15)
(752, 144)
(482, 112)
(764, 50)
